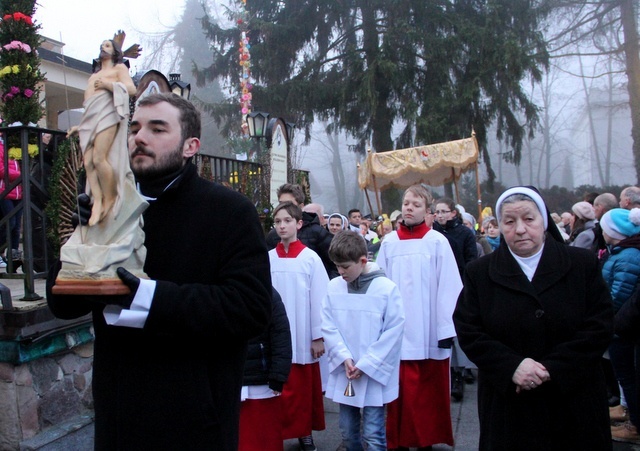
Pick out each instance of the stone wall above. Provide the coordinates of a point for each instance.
(44, 392)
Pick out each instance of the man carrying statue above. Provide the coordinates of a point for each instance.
(153, 386)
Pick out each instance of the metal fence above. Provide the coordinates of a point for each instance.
(24, 145)
(242, 176)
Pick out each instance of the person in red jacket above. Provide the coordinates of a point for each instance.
(9, 201)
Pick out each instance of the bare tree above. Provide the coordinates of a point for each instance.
(609, 28)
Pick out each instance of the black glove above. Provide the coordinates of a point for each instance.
(446, 343)
(83, 210)
(130, 281)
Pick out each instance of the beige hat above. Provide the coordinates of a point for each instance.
(584, 210)
(394, 215)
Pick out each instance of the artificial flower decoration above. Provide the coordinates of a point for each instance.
(16, 152)
(18, 16)
(244, 61)
(17, 45)
(20, 75)
(14, 91)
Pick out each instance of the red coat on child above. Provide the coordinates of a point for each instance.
(14, 173)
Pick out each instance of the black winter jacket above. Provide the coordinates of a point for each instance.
(269, 355)
(461, 239)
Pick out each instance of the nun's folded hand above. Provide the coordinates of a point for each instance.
(529, 375)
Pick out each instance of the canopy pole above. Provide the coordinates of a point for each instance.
(479, 194)
(455, 184)
(375, 187)
(366, 194)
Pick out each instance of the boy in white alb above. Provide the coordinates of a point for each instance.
(301, 279)
(362, 325)
(421, 263)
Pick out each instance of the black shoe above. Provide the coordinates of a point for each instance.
(306, 443)
(468, 375)
(16, 259)
(457, 385)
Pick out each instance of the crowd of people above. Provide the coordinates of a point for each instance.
(390, 317)
(386, 317)
(553, 353)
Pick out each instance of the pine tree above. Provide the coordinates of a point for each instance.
(439, 68)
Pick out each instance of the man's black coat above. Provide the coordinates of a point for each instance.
(175, 384)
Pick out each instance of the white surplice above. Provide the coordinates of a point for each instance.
(368, 329)
(302, 284)
(426, 273)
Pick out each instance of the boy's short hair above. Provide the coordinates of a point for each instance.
(347, 246)
(293, 189)
(420, 191)
(294, 211)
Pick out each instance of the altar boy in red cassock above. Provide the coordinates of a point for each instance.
(301, 279)
(420, 261)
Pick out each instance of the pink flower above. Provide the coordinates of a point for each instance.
(14, 90)
(17, 45)
(28, 93)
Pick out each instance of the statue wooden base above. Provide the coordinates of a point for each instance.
(106, 287)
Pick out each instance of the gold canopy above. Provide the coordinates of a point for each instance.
(433, 165)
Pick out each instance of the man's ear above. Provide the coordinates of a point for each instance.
(364, 260)
(190, 147)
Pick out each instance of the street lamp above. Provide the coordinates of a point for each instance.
(179, 87)
(290, 128)
(257, 121)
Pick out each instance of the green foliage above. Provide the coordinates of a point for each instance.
(20, 75)
(55, 192)
(27, 7)
(239, 145)
(265, 212)
(440, 69)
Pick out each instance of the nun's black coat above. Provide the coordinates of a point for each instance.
(562, 319)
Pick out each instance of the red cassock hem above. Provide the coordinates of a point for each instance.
(302, 402)
(421, 416)
(261, 425)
